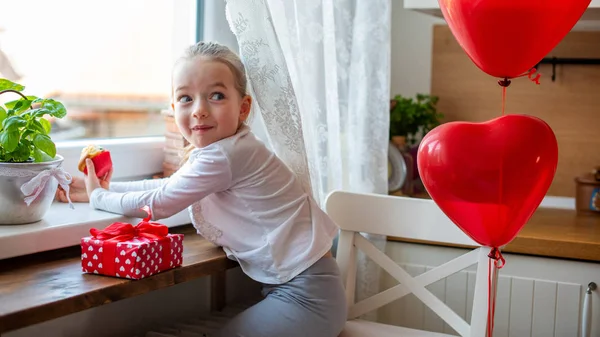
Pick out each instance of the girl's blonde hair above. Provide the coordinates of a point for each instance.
(220, 53)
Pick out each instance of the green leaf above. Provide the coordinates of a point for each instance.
(46, 157)
(51, 107)
(27, 134)
(57, 109)
(13, 123)
(37, 126)
(44, 143)
(12, 104)
(39, 112)
(22, 153)
(9, 140)
(46, 124)
(19, 105)
(9, 85)
(3, 114)
(38, 155)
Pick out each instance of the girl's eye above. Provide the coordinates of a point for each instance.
(217, 96)
(184, 99)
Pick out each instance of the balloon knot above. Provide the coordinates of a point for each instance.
(504, 82)
(496, 255)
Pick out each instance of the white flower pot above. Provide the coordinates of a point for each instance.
(13, 208)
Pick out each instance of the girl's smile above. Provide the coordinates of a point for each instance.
(201, 128)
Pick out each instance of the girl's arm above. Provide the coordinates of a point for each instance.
(208, 173)
(138, 185)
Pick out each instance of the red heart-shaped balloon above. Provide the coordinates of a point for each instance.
(489, 177)
(506, 38)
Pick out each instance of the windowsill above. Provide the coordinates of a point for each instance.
(64, 227)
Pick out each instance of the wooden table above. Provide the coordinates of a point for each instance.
(554, 233)
(41, 287)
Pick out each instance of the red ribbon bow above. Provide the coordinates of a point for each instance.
(120, 231)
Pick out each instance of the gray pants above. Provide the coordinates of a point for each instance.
(313, 304)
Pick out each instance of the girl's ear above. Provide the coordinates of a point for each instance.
(245, 108)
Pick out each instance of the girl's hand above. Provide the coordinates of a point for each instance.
(92, 182)
(78, 190)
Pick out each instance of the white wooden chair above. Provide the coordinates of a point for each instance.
(418, 219)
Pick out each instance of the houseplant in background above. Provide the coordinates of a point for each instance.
(30, 169)
(410, 120)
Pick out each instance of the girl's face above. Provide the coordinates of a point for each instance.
(207, 106)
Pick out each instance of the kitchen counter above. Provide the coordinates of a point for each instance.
(553, 232)
(559, 233)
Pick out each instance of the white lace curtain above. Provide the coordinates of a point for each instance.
(319, 73)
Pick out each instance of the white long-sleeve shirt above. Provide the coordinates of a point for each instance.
(242, 197)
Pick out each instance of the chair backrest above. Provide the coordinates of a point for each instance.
(416, 219)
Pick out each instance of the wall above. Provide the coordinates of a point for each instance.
(412, 35)
(466, 93)
(216, 29)
(569, 104)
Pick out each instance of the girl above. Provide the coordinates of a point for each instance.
(242, 197)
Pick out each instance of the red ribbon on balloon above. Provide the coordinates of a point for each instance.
(122, 232)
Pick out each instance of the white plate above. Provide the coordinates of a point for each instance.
(397, 169)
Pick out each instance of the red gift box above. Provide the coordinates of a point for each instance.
(132, 252)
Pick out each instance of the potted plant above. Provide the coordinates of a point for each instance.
(30, 169)
(410, 118)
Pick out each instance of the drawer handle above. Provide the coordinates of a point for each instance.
(586, 322)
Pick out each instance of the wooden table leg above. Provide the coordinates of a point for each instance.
(217, 287)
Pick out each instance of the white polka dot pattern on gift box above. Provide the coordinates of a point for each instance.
(133, 259)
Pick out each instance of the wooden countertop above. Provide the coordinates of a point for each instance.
(555, 233)
(559, 233)
(42, 287)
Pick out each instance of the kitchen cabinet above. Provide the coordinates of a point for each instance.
(537, 296)
(541, 289)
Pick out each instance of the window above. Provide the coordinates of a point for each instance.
(108, 61)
